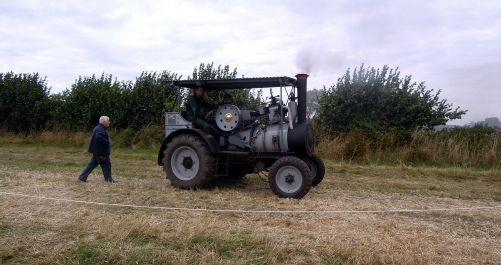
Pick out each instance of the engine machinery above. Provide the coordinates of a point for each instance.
(271, 129)
(275, 138)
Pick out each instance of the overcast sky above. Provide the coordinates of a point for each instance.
(451, 45)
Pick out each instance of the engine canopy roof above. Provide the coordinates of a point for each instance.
(237, 83)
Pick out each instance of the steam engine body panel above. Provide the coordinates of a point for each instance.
(265, 131)
(268, 138)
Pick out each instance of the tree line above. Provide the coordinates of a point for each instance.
(374, 100)
(380, 102)
(26, 104)
(368, 115)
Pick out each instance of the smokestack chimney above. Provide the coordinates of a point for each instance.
(301, 95)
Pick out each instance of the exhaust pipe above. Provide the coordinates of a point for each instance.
(301, 94)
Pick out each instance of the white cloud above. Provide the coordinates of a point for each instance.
(452, 45)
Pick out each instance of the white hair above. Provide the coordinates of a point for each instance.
(103, 119)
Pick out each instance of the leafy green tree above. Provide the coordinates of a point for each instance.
(88, 99)
(312, 103)
(24, 102)
(208, 72)
(381, 101)
(247, 98)
(148, 99)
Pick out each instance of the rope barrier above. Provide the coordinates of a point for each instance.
(256, 211)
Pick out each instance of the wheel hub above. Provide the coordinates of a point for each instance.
(187, 162)
(289, 178)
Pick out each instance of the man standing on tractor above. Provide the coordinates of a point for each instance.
(194, 107)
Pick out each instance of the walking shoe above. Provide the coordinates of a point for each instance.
(111, 181)
(82, 180)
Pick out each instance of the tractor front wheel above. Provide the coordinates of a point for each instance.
(290, 177)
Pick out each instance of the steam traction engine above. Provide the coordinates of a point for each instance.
(275, 138)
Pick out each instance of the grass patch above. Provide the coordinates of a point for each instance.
(5, 228)
(88, 253)
(328, 258)
(41, 229)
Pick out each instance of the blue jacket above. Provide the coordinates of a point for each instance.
(100, 143)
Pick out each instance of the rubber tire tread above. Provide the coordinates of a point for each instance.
(320, 169)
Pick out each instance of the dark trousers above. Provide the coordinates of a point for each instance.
(201, 124)
(93, 163)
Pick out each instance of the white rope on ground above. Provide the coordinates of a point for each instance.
(256, 211)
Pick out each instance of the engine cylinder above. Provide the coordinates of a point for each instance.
(266, 138)
(279, 138)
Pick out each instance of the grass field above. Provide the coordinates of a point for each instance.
(359, 214)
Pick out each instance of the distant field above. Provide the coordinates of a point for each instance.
(358, 215)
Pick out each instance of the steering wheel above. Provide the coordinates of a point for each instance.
(211, 115)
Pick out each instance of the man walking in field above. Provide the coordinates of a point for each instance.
(100, 147)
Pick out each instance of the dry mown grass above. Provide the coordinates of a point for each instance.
(48, 231)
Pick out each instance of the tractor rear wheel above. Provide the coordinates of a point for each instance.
(290, 177)
(188, 162)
